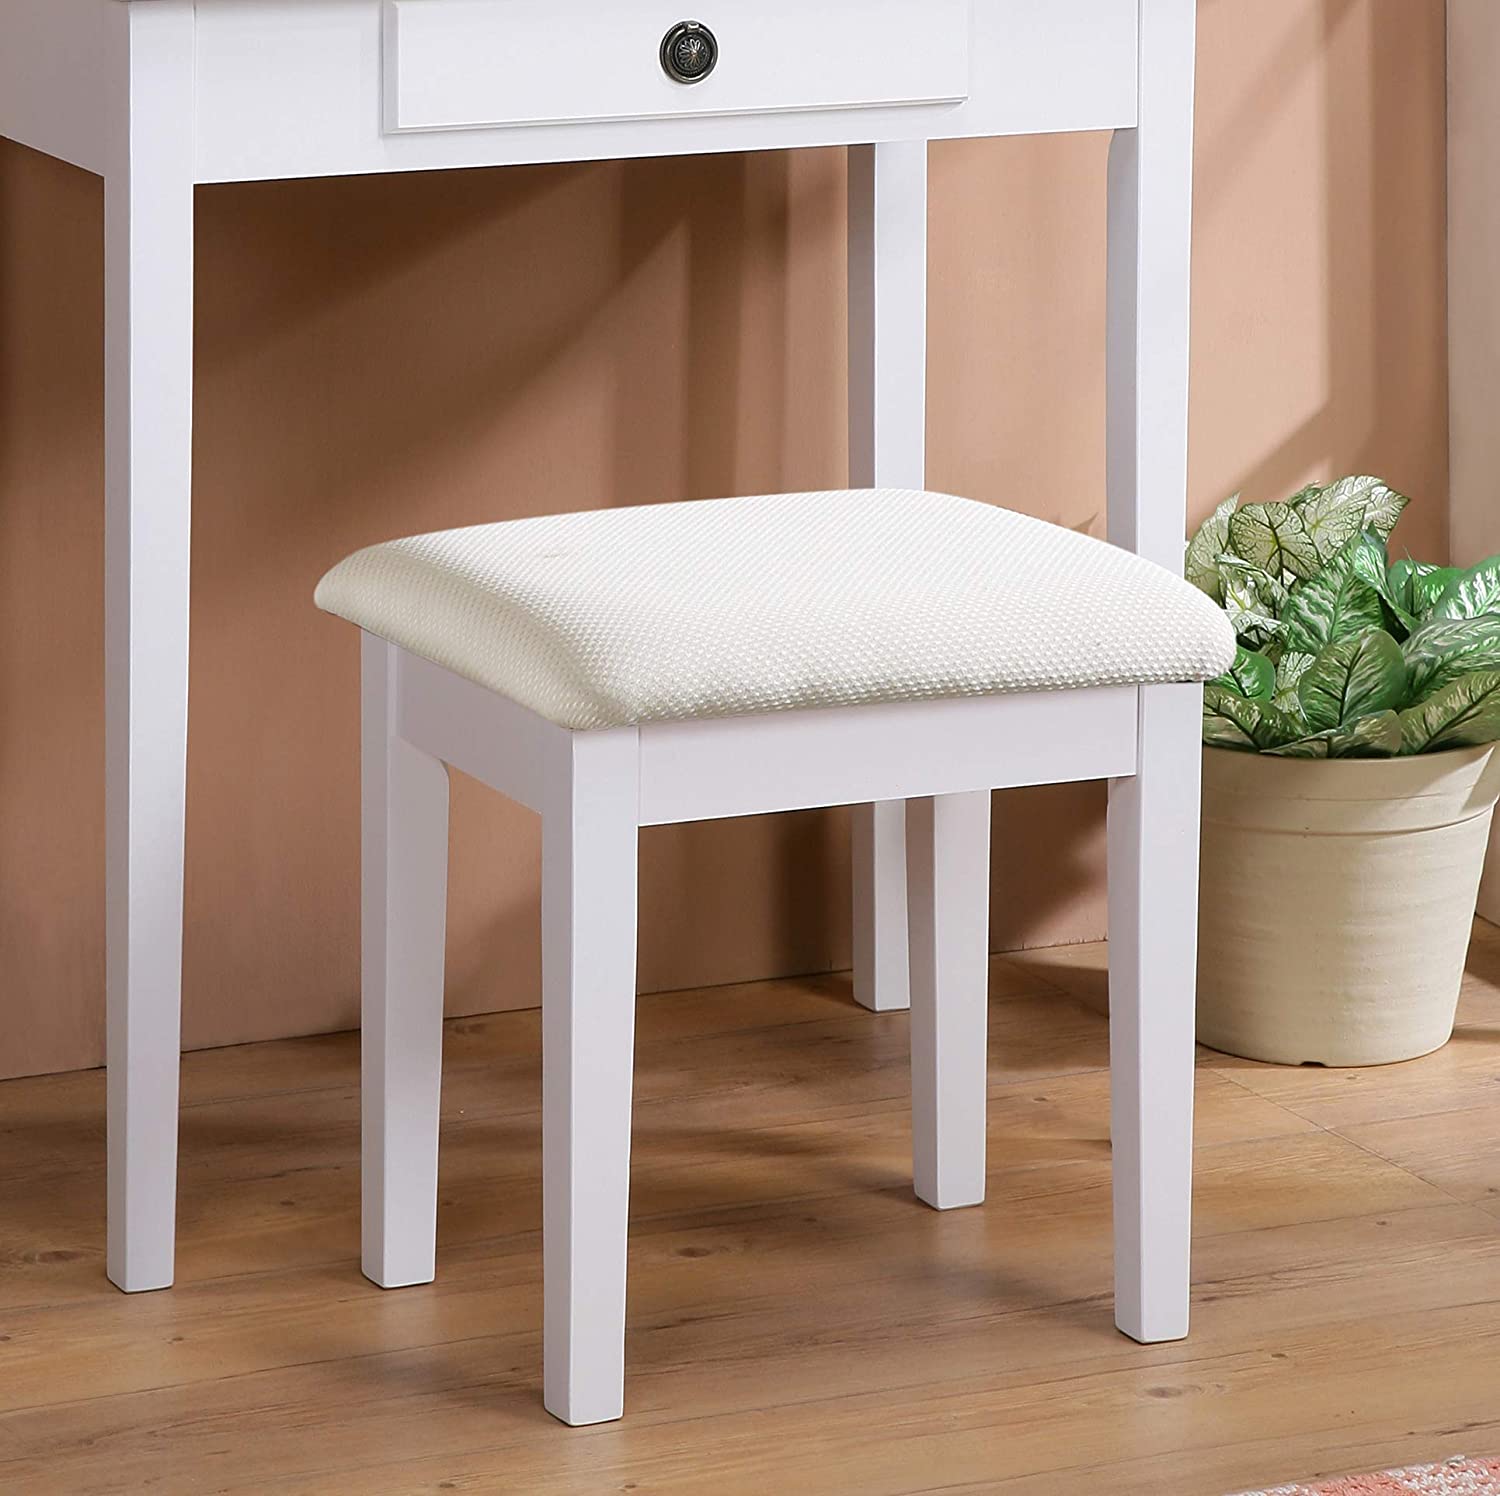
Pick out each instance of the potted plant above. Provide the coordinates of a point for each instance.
(1349, 780)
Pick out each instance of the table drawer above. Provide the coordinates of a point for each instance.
(462, 64)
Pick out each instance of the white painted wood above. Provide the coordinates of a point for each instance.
(459, 63)
(1150, 247)
(888, 315)
(948, 850)
(404, 890)
(735, 766)
(498, 742)
(293, 88)
(148, 226)
(1474, 305)
(1153, 943)
(1153, 818)
(56, 79)
(878, 892)
(887, 449)
(588, 1029)
(755, 765)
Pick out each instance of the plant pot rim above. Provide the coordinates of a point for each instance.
(1411, 793)
(1470, 753)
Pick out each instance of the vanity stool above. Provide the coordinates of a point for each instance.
(679, 662)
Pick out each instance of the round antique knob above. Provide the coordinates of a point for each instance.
(689, 52)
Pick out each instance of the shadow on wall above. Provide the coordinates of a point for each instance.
(1320, 341)
(388, 354)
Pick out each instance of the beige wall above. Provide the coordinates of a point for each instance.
(392, 354)
(1474, 302)
(1474, 287)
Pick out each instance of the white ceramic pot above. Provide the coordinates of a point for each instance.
(1337, 902)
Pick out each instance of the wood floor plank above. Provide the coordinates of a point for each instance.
(1462, 1076)
(1457, 1151)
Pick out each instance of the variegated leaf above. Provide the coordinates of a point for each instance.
(1472, 593)
(1331, 523)
(1273, 538)
(1229, 720)
(1232, 721)
(1351, 678)
(1252, 600)
(1334, 604)
(1464, 713)
(1446, 648)
(1383, 506)
(1205, 548)
(1290, 668)
(1375, 736)
(1417, 585)
(1366, 555)
(1252, 675)
(1379, 507)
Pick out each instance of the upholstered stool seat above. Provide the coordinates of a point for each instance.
(730, 607)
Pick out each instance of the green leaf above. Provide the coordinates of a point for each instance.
(1383, 505)
(1331, 522)
(1290, 668)
(1466, 712)
(1252, 599)
(1332, 515)
(1472, 593)
(1205, 548)
(1446, 648)
(1335, 603)
(1375, 736)
(1232, 721)
(1351, 678)
(1252, 675)
(1229, 720)
(1273, 538)
(1416, 586)
(1366, 556)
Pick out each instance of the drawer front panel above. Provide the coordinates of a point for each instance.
(464, 64)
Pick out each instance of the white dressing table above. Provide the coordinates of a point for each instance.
(158, 95)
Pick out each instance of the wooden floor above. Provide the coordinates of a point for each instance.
(797, 1322)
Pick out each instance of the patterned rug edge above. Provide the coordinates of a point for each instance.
(1454, 1477)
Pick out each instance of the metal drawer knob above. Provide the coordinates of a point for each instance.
(689, 52)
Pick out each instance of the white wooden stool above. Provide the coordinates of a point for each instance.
(632, 667)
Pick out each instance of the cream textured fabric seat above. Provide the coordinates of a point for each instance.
(729, 607)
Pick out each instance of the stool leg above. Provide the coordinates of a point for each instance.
(404, 880)
(1153, 941)
(948, 878)
(881, 960)
(589, 836)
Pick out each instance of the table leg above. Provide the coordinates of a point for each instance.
(1153, 817)
(148, 453)
(887, 449)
